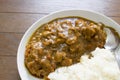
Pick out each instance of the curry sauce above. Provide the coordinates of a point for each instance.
(62, 42)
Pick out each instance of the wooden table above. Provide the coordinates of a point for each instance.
(16, 16)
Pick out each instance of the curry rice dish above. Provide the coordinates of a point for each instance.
(62, 42)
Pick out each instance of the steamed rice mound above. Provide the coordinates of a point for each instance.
(102, 66)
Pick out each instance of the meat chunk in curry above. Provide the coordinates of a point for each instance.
(62, 42)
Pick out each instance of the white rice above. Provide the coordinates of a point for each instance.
(102, 66)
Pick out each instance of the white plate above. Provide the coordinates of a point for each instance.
(91, 15)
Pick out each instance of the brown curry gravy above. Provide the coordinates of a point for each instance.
(61, 42)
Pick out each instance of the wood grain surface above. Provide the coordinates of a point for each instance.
(16, 16)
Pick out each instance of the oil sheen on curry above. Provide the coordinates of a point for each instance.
(62, 42)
